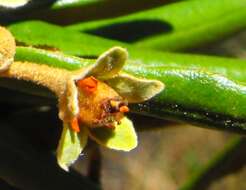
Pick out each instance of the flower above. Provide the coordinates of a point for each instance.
(95, 104)
(92, 100)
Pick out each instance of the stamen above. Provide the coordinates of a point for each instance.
(124, 109)
(89, 84)
(75, 124)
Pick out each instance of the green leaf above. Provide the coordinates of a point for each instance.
(34, 33)
(195, 96)
(123, 137)
(135, 89)
(70, 146)
(204, 90)
(109, 63)
(179, 26)
(55, 10)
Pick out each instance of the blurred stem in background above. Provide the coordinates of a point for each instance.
(231, 159)
(77, 10)
(176, 27)
(179, 26)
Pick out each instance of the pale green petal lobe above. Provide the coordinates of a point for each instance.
(134, 89)
(109, 63)
(123, 137)
(70, 146)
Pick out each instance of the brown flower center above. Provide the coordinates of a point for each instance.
(100, 105)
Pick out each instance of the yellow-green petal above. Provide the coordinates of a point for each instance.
(70, 146)
(134, 89)
(123, 137)
(109, 63)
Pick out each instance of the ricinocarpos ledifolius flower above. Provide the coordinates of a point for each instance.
(92, 100)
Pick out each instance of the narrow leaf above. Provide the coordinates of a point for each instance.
(34, 33)
(178, 26)
(201, 89)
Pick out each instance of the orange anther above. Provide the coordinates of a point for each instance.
(124, 109)
(88, 84)
(75, 124)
